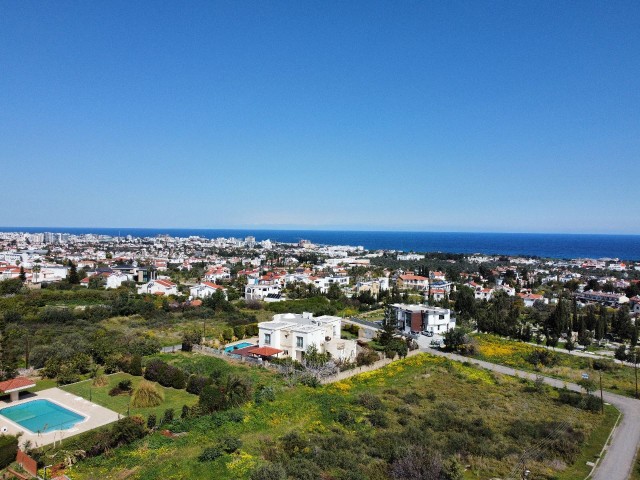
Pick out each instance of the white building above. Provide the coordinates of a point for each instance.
(262, 292)
(217, 273)
(115, 280)
(294, 333)
(419, 318)
(206, 289)
(159, 287)
(324, 283)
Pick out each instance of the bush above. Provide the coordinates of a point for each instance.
(186, 412)
(603, 364)
(126, 430)
(370, 401)
(196, 383)
(135, 368)
(155, 370)
(124, 385)
(378, 419)
(151, 422)
(230, 444)
(270, 471)
(210, 454)
(146, 395)
(541, 356)
(8, 450)
(168, 416)
(366, 357)
(264, 394)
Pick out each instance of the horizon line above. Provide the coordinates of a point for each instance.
(285, 228)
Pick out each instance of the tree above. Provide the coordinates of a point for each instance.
(465, 304)
(8, 357)
(22, 276)
(74, 278)
(389, 325)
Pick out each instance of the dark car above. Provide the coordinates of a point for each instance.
(427, 333)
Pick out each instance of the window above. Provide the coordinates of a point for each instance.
(299, 342)
(441, 317)
(267, 339)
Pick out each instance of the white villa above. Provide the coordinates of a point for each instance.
(419, 318)
(293, 333)
(115, 279)
(159, 287)
(262, 292)
(206, 289)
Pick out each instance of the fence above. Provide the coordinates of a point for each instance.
(365, 368)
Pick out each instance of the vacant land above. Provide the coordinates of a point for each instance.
(373, 424)
(615, 378)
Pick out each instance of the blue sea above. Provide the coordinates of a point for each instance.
(547, 245)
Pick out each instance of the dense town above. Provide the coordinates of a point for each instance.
(136, 329)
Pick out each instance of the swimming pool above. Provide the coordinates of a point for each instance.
(237, 346)
(41, 416)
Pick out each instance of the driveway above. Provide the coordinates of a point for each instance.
(621, 452)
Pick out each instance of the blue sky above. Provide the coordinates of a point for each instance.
(456, 116)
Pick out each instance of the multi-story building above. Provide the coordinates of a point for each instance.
(419, 318)
(295, 333)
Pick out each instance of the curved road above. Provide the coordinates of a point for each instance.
(620, 454)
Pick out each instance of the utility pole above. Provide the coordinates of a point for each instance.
(601, 394)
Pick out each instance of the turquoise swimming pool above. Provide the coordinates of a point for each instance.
(41, 416)
(237, 346)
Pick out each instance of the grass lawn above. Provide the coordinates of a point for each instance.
(487, 419)
(172, 398)
(43, 384)
(514, 354)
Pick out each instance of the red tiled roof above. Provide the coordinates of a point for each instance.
(265, 351)
(16, 384)
(212, 285)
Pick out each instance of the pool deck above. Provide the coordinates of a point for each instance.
(95, 416)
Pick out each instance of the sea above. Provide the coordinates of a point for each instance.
(544, 245)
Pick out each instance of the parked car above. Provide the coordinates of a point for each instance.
(427, 333)
(436, 343)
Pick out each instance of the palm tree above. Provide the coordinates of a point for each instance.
(237, 390)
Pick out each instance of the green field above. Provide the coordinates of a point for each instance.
(172, 398)
(354, 429)
(491, 348)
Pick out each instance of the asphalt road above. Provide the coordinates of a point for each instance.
(620, 454)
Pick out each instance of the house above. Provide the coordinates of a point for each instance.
(159, 287)
(217, 273)
(609, 299)
(116, 279)
(423, 318)
(483, 293)
(530, 298)
(294, 333)
(261, 291)
(437, 276)
(634, 303)
(206, 289)
(413, 282)
(323, 283)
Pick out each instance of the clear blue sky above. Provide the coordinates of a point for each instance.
(458, 116)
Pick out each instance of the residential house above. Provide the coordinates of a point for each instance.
(294, 333)
(605, 298)
(159, 287)
(206, 289)
(418, 318)
(413, 282)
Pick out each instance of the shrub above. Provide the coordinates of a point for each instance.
(309, 380)
(230, 444)
(124, 385)
(345, 418)
(168, 416)
(196, 383)
(151, 422)
(100, 381)
(210, 454)
(146, 395)
(135, 368)
(270, 471)
(8, 449)
(541, 356)
(378, 419)
(366, 357)
(186, 411)
(603, 364)
(370, 401)
(155, 370)
(126, 430)
(264, 394)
